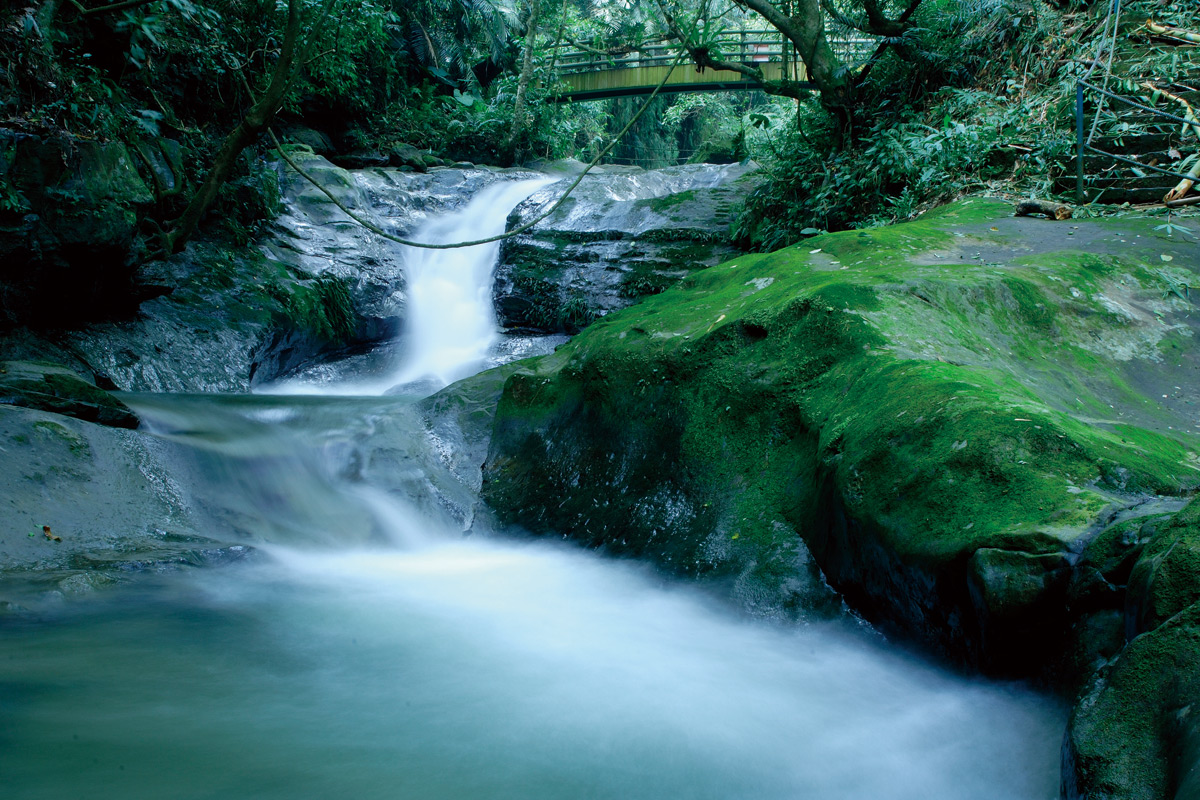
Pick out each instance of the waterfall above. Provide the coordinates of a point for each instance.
(450, 323)
(367, 649)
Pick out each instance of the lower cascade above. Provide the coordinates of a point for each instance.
(365, 646)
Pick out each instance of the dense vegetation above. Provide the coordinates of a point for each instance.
(956, 95)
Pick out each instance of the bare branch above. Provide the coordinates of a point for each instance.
(124, 6)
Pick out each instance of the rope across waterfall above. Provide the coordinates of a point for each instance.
(500, 237)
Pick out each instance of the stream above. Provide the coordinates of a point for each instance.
(366, 648)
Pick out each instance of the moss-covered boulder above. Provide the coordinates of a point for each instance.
(1135, 735)
(942, 413)
(50, 387)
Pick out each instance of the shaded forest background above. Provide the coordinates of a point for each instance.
(959, 96)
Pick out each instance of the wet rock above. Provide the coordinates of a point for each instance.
(105, 492)
(623, 234)
(49, 387)
(360, 159)
(1166, 578)
(1010, 582)
(1134, 735)
(405, 155)
(315, 284)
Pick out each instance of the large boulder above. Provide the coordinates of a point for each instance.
(50, 387)
(942, 413)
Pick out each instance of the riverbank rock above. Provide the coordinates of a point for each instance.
(942, 413)
(1134, 734)
(623, 234)
(108, 509)
(49, 387)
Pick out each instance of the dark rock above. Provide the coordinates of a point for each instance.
(68, 241)
(1009, 582)
(623, 234)
(1166, 578)
(360, 159)
(49, 387)
(315, 140)
(1134, 735)
(405, 155)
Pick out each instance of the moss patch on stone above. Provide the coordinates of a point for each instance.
(899, 397)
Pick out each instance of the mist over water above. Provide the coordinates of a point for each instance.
(369, 650)
(475, 669)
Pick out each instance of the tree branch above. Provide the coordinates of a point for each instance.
(123, 6)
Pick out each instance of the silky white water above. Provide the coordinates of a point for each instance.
(450, 325)
(369, 650)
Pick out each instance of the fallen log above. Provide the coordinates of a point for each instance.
(1029, 208)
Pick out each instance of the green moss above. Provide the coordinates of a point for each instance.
(856, 381)
(643, 281)
(667, 202)
(322, 307)
(1122, 738)
(76, 444)
(1166, 578)
(1034, 308)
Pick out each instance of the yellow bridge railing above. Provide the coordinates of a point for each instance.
(589, 76)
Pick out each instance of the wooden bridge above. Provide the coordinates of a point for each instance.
(591, 77)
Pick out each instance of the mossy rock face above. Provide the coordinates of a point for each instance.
(49, 387)
(622, 235)
(69, 215)
(239, 315)
(899, 398)
(1135, 735)
(1166, 578)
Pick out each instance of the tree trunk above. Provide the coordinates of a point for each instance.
(260, 115)
(805, 28)
(526, 74)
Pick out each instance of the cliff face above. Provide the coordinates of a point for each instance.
(970, 423)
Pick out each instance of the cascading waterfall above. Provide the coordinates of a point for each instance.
(450, 325)
(371, 651)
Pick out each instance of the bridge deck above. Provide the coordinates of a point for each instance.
(637, 72)
(631, 81)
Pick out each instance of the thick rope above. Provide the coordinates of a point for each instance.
(373, 228)
(1114, 16)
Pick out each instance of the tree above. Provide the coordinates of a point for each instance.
(803, 23)
(293, 55)
(531, 31)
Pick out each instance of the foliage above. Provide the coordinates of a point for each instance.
(1003, 114)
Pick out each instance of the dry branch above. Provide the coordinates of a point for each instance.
(1189, 113)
